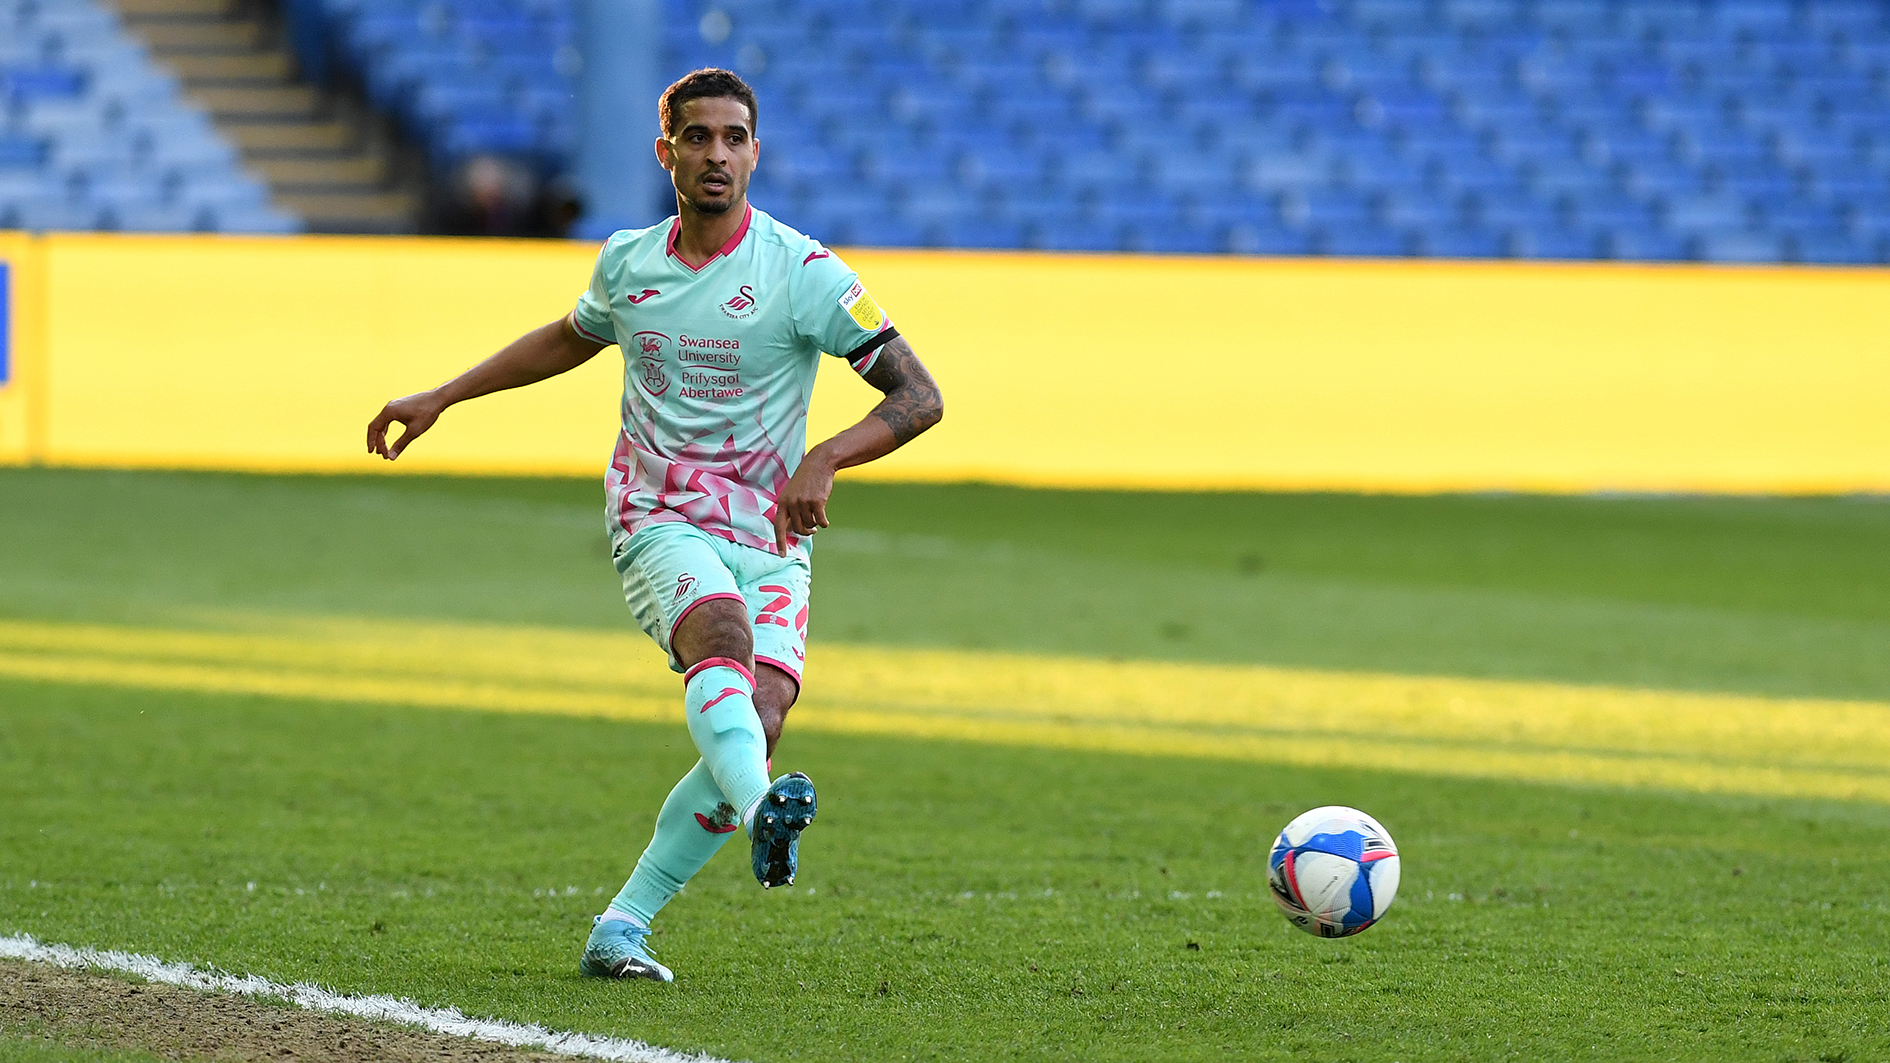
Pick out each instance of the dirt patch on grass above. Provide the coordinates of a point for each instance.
(78, 1007)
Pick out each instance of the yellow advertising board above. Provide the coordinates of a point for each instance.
(1070, 370)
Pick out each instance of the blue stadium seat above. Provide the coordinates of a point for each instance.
(1363, 240)
(1421, 211)
(21, 151)
(1071, 236)
(1259, 238)
(1459, 242)
(157, 217)
(1477, 175)
(1663, 178)
(1507, 210)
(25, 83)
(1557, 179)
(1212, 173)
(1812, 147)
(1536, 128)
(49, 213)
(1380, 171)
(1147, 212)
(1830, 247)
(938, 202)
(1098, 169)
(1706, 212)
(1644, 245)
(1170, 239)
(1737, 245)
(1795, 214)
(977, 232)
(1270, 172)
(1614, 211)
(1758, 179)
(1839, 182)
(1847, 16)
(1550, 241)
(1328, 210)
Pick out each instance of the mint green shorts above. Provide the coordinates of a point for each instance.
(668, 569)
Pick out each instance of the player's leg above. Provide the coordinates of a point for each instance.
(696, 819)
(727, 728)
(776, 589)
(693, 825)
(670, 574)
(775, 693)
(716, 645)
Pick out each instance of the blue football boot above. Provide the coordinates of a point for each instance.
(785, 811)
(618, 949)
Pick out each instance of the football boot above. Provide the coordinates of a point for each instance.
(785, 811)
(620, 949)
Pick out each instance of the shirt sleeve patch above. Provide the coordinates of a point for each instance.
(858, 303)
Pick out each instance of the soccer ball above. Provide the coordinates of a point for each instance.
(1333, 871)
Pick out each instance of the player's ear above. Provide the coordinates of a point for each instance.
(663, 150)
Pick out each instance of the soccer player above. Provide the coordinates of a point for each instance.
(721, 313)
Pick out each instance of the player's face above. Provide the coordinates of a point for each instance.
(713, 155)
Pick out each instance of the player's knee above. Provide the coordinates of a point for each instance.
(775, 691)
(716, 628)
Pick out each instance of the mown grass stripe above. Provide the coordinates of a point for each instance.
(1470, 727)
(448, 1021)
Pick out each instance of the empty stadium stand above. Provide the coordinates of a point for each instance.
(97, 136)
(1715, 130)
(1742, 130)
(327, 160)
(466, 77)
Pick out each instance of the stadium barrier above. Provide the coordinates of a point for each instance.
(1068, 370)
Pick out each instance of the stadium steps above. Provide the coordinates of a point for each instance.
(329, 162)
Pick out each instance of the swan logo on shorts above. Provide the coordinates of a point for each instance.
(685, 586)
(865, 312)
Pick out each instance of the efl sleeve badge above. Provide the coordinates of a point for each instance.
(860, 305)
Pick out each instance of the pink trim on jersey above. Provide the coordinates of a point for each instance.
(720, 662)
(690, 608)
(675, 234)
(588, 333)
(793, 673)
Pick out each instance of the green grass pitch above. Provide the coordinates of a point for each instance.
(969, 902)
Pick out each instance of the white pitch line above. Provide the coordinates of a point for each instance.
(315, 998)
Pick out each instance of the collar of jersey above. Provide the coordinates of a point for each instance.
(675, 233)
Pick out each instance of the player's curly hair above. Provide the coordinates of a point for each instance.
(705, 84)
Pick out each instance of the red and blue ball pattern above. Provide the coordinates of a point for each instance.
(1333, 871)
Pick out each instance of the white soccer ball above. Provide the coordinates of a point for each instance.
(1333, 871)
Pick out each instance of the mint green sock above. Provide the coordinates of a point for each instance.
(694, 823)
(719, 701)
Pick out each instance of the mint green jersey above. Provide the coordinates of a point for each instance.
(719, 362)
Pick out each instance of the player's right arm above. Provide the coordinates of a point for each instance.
(541, 353)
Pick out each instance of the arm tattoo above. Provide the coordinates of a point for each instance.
(912, 403)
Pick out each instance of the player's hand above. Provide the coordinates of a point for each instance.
(801, 508)
(416, 414)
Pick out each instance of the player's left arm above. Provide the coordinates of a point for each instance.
(911, 405)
